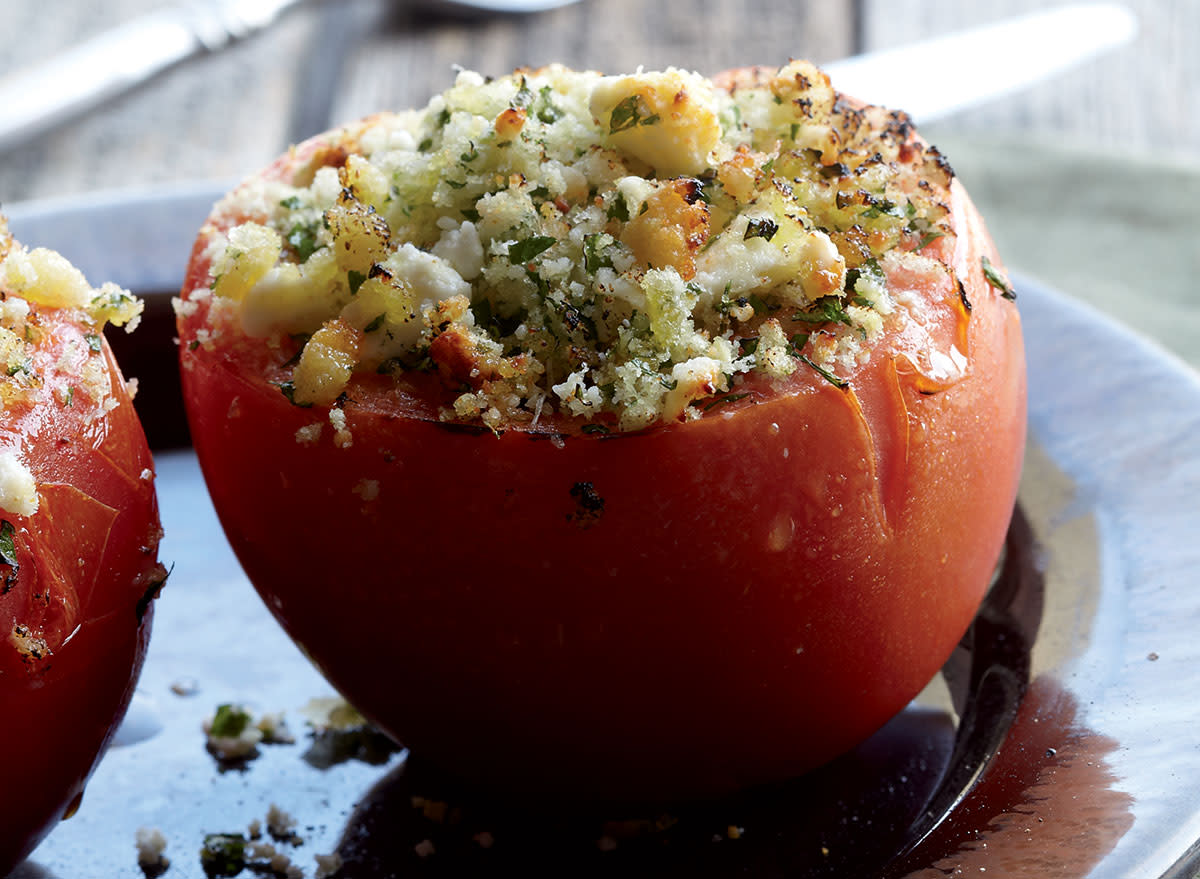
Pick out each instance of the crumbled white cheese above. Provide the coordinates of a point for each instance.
(309, 434)
(621, 247)
(424, 848)
(151, 845)
(280, 824)
(327, 865)
(18, 489)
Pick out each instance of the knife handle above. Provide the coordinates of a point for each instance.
(51, 91)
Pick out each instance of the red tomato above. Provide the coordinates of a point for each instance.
(76, 579)
(686, 610)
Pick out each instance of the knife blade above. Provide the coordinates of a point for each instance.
(36, 98)
(938, 77)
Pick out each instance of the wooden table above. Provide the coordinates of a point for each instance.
(1133, 114)
(223, 116)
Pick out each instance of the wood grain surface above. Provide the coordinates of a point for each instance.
(223, 116)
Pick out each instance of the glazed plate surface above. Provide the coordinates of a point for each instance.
(1063, 738)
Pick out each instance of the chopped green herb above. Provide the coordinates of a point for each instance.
(523, 98)
(825, 373)
(470, 214)
(880, 207)
(355, 280)
(288, 389)
(482, 309)
(869, 269)
(8, 549)
(303, 240)
(630, 113)
(929, 237)
(24, 365)
(997, 280)
(545, 110)
(827, 309)
(760, 305)
(376, 323)
(723, 400)
(291, 203)
(748, 345)
(223, 854)
(94, 341)
(595, 428)
(760, 227)
(796, 343)
(229, 722)
(619, 210)
(521, 252)
(595, 254)
(8, 555)
(575, 320)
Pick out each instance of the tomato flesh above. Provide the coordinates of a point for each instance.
(677, 612)
(80, 591)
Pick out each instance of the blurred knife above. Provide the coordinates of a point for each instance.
(36, 98)
(930, 79)
(938, 77)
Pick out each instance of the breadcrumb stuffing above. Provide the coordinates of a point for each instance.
(620, 250)
(151, 846)
(327, 865)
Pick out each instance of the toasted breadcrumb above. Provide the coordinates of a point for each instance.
(620, 249)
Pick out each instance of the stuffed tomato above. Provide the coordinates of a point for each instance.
(79, 534)
(630, 437)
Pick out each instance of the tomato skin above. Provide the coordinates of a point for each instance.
(682, 611)
(87, 564)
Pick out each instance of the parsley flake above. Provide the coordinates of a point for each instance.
(303, 240)
(630, 113)
(288, 389)
(8, 554)
(723, 400)
(760, 227)
(840, 383)
(521, 252)
(997, 280)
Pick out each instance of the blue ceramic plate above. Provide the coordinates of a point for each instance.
(1062, 739)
